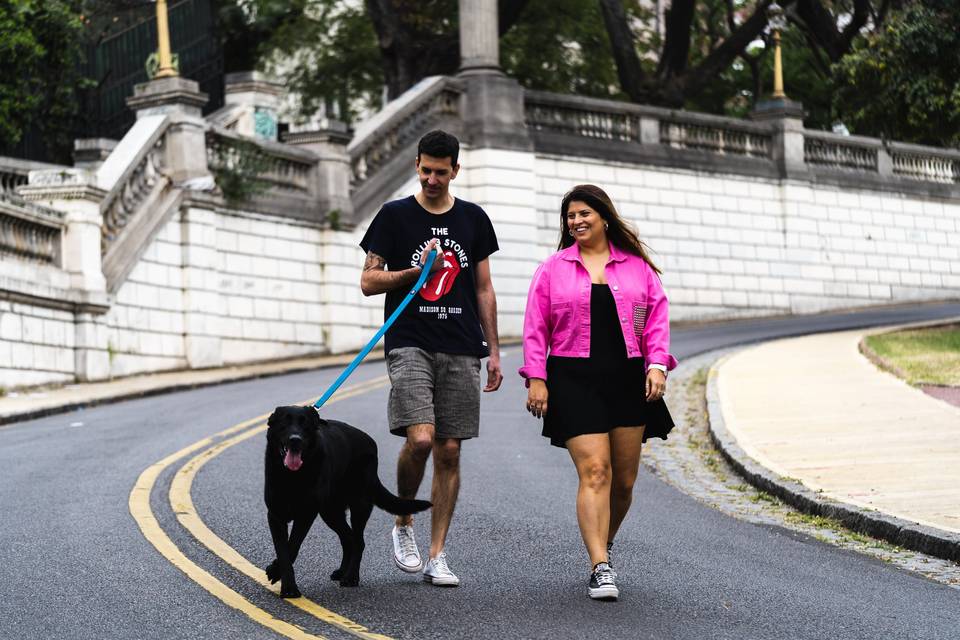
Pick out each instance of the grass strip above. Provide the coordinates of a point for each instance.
(921, 356)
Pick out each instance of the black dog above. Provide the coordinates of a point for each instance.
(324, 467)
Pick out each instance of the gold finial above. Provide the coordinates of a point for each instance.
(163, 42)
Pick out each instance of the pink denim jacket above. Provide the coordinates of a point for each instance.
(558, 310)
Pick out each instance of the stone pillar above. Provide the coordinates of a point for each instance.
(258, 97)
(202, 301)
(493, 103)
(90, 153)
(74, 192)
(787, 119)
(479, 36)
(181, 100)
(331, 180)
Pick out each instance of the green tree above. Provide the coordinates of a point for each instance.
(39, 72)
(903, 81)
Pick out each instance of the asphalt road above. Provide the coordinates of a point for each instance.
(75, 564)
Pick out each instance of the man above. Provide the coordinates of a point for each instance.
(434, 347)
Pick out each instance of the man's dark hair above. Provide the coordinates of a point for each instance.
(439, 144)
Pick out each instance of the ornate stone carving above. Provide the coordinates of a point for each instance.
(838, 153)
(29, 232)
(123, 202)
(384, 143)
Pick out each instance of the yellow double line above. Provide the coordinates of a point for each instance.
(182, 505)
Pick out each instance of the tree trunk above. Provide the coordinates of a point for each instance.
(629, 71)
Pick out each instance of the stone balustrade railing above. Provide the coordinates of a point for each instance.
(30, 232)
(821, 149)
(434, 103)
(925, 163)
(250, 169)
(572, 125)
(15, 172)
(144, 177)
(727, 137)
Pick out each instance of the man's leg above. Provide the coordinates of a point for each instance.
(446, 487)
(411, 464)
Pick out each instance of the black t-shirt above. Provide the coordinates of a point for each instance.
(443, 317)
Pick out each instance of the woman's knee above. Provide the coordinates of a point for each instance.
(596, 474)
(622, 487)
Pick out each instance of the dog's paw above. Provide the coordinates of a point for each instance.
(350, 581)
(273, 572)
(337, 574)
(289, 591)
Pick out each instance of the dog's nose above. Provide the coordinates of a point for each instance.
(294, 443)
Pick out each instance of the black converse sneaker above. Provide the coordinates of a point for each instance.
(603, 583)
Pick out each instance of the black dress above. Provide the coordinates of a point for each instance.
(606, 390)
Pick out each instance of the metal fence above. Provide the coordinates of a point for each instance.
(119, 62)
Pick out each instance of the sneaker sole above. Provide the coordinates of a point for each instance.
(407, 568)
(604, 593)
(442, 582)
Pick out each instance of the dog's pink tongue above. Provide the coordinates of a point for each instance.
(292, 461)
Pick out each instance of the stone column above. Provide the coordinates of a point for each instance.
(492, 106)
(787, 119)
(331, 180)
(74, 192)
(479, 36)
(181, 100)
(258, 98)
(90, 153)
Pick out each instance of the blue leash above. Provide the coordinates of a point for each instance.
(376, 338)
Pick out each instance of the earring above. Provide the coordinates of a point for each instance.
(570, 231)
(606, 226)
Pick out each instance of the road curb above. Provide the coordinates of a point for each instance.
(903, 533)
(339, 360)
(33, 414)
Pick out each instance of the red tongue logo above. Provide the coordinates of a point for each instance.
(441, 282)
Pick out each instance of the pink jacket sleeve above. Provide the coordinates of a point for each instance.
(536, 329)
(655, 343)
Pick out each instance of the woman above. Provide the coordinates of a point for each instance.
(596, 342)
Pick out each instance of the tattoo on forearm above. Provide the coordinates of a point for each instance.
(374, 262)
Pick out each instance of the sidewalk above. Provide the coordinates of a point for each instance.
(34, 404)
(814, 422)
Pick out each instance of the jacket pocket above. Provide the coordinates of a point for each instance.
(561, 319)
(639, 317)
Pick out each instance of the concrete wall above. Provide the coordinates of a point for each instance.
(735, 246)
(220, 286)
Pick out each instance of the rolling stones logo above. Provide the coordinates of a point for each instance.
(440, 283)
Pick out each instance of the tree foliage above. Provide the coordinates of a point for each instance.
(39, 75)
(903, 81)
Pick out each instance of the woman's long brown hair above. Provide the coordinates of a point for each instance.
(619, 232)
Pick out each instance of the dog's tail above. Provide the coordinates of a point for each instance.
(383, 498)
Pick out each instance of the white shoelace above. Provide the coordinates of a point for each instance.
(604, 576)
(440, 564)
(408, 546)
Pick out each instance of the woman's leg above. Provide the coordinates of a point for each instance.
(591, 455)
(625, 445)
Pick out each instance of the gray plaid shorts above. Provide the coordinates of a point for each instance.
(441, 389)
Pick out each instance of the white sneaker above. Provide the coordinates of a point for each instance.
(405, 552)
(438, 573)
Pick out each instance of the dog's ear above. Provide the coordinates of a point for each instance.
(317, 420)
(277, 416)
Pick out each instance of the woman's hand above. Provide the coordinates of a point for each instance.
(537, 397)
(656, 384)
